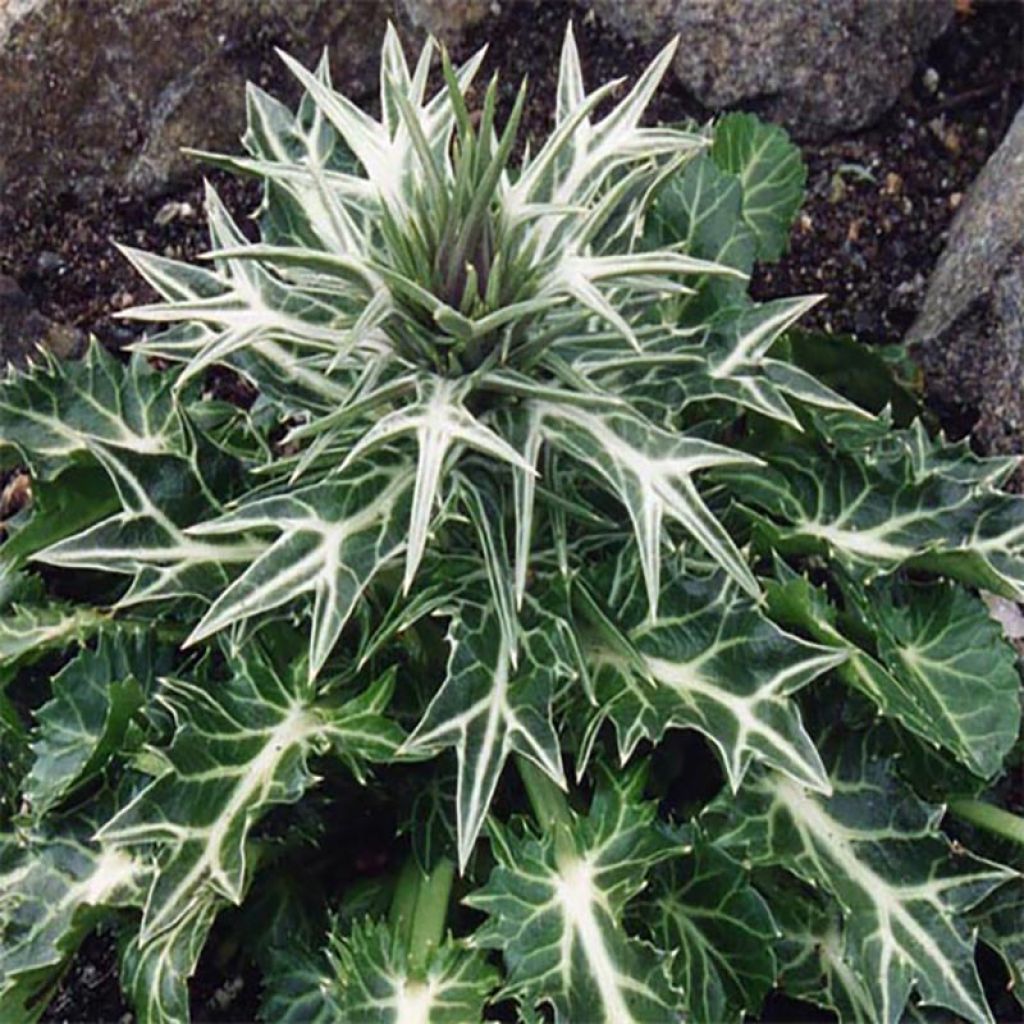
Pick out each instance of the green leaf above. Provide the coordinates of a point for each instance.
(709, 661)
(701, 209)
(705, 907)
(438, 420)
(556, 905)
(651, 472)
(300, 987)
(240, 747)
(1001, 922)
(813, 964)
(334, 538)
(876, 515)
(903, 887)
(155, 975)
(488, 709)
(936, 650)
(373, 982)
(771, 173)
(54, 413)
(160, 495)
(957, 676)
(29, 631)
(53, 888)
(84, 725)
(79, 497)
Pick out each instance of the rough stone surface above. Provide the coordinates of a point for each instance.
(105, 93)
(969, 337)
(817, 66)
(446, 19)
(23, 329)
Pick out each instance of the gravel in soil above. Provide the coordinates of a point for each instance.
(878, 207)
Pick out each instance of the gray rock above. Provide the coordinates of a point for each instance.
(446, 19)
(99, 94)
(816, 66)
(969, 336)
(23, 329)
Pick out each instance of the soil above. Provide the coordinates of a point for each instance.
(878, 208)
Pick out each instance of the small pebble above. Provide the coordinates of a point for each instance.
(955, 199)
(172, 211)
(930, 80)
(48, 262)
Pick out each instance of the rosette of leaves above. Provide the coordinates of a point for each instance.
(559, 633)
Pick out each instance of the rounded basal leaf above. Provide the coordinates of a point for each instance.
(705, 907)
(877, 849)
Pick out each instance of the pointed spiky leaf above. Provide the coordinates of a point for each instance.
(488, 709)
(83, 726)
(53, 890)
(156, 975)
(334, 538)
(710, 661)
(240, 747)
(300, 987)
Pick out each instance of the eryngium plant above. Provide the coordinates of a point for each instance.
(543, 549)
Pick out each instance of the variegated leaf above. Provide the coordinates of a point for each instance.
(709, 661)
(240, 747)
(373, 981)
(876, 516)
(771, 173)
(27, 631)
(84, 725)
(334, 538)
(160, 497)
(300, 987)
(704, 907)
(53, 890)
(813, 964)
(155, 975)
(55, 413)
(651, 471)
(488, 709)
(438, 420)
(939, 665)
(555, 905)
(878, 850)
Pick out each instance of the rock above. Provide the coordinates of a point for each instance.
(817, 66)
(98, 94)
(969, 336)
(446, 19)
(23, 329)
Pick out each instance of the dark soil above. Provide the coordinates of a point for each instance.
(878, 207)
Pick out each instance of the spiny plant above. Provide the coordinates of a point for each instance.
(560, 633)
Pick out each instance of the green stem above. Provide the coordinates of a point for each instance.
(991, 818)
(419, 909)
(550, 807)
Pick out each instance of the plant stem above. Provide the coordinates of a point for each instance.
(419, 909)
(550, 807)
(991, 818)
